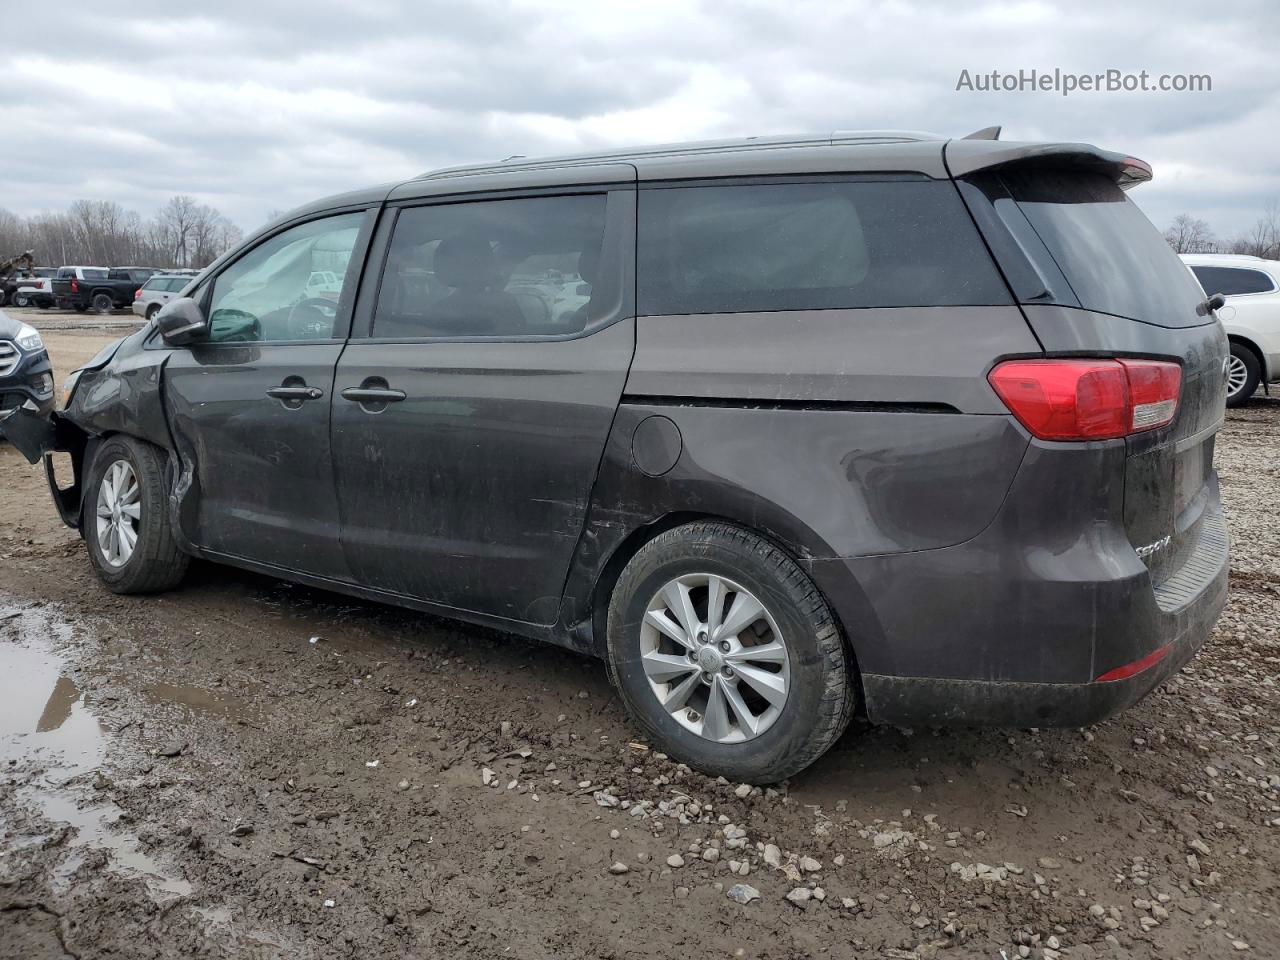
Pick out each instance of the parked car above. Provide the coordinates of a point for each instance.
(872, 422)
(156, 292)
(19, 289)
(35, 292)
(97, 288)
(1251, 316)
(25, 371)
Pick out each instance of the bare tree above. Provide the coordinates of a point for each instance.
(1187, 234)
(1263, 240)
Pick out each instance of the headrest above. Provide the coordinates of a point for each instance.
(465, 263)
(589, 264)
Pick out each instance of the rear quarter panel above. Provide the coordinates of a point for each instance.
(836, 433)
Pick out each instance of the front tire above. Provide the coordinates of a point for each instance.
(125, 519)
(727, 654)
(1243, 374)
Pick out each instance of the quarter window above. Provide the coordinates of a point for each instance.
(1232, 281)
(810, 246)
(267, 293)
(495, 268)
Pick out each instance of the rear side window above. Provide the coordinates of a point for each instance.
(810, 246)
(1108, 252)
(174, 284)
(155, 283)
(1232, 281)
(497, 268)
(94, 274)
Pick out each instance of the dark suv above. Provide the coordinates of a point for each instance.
(26, 376)
(781, 429)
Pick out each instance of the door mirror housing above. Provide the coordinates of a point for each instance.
(182, 322)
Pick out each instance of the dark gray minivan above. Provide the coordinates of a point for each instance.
(779, 428)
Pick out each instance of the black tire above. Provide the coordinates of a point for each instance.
(102, 303)
(156, 562)
(20, 300)
(1253, 373)
(152, 311)
(821, 690)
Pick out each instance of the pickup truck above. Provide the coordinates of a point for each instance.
(98, 288)
(10, 284)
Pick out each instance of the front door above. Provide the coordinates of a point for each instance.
(249, 408)
(469, 420)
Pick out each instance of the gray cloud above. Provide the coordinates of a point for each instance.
(255, 106)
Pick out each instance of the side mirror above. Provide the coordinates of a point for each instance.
(1217, 302)
(181, 322)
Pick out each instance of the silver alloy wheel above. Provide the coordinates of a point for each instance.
(119, 511)
(1237, 375)
(715, 658)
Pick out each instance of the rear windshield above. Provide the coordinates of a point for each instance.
(810, 246)
(1108, 252)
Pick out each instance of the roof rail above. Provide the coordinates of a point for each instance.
(520, 162)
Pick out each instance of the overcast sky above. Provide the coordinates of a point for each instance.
(260, 105)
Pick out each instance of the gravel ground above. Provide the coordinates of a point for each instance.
(245, 768)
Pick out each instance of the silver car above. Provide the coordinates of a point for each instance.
(156, 292)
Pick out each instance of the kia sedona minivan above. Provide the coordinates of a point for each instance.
(780, 429)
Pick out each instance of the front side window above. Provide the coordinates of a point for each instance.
(1232, 281)
(267, 294)
(493, 268)
(810, 246)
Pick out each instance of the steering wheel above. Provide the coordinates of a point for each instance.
(311, 318)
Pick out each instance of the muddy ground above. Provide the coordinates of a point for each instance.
(245, 768)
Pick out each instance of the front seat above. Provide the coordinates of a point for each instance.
(474, 304)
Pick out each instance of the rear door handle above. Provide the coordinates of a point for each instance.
(372, 395)
(295, 393)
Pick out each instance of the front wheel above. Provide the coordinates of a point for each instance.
(727, 654)
(126, 519)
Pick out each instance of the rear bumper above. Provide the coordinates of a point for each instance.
(1005, 703)
(1016, 626)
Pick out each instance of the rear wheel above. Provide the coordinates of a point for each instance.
(21, 300)
(152, 311)
(727, 654)
(80, 307)
(1243, 374)
(102, 303)
(126, 519)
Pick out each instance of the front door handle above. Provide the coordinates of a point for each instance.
(295, 393)
(373, 395)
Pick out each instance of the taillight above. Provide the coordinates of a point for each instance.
(75, 285)
(1088, 399)
(137, 294)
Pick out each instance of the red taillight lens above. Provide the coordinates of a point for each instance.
(1088, 399)
(75, 285)
(137, 294)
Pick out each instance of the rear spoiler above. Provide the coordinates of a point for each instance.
(964, 157)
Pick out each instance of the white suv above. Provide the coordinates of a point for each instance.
(1251, 316)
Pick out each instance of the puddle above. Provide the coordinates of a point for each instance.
(195, 700)
(44, 722)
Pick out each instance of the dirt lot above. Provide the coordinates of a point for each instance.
(245, 768)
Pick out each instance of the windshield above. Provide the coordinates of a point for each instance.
(1107, 251)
